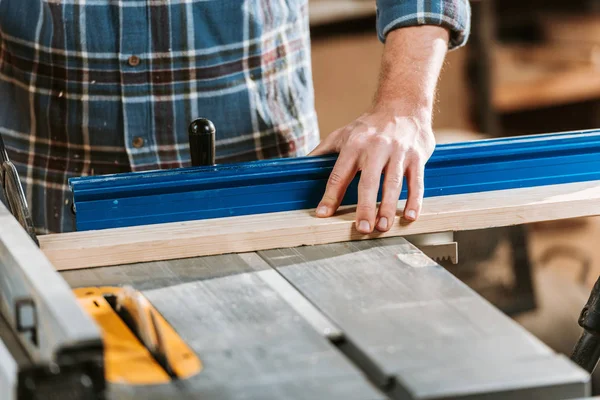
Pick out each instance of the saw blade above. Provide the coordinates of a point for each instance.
(15, 197)
(437, 246)
(441, 252)
(144, 324)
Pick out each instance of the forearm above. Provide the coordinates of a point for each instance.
(410, 68)
(394, 137)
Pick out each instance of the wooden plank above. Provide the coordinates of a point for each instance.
(418, 325)
(323, 12)
(252, 343)
(542, 57)
(296, 228)
(548, 89)
(539, 75)
(576, 28)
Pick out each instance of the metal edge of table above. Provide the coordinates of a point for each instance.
(8, 373)
(31, 287)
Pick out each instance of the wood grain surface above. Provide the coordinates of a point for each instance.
(296, 228)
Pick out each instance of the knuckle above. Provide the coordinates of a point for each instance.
(414, 155)
(394, 180)
(381, 140)
(397, 144)
(417, 159)
(429, 150)
(428, 143)
(335, 179)
(388, 207)
(420, 179)
(329, 199)
(365, 208)
(417, 191)
(417, 203)
(369, 181)
(416, 172)
(357, 141)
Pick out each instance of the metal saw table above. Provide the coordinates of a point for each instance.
(365, 319)
(315, 322)
(358, 320)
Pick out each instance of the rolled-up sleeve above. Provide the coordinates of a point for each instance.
(454, 15)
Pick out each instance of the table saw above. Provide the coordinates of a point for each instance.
(129, 314)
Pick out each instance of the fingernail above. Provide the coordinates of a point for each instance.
(322, 211)
(364, 226)
(382, 224)
(412, 214)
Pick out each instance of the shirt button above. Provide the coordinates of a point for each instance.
(134, 61)
(138, 142)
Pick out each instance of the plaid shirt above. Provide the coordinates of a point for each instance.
(110, 86)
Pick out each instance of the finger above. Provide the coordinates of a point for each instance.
(326, 146)
(322, 148)
(368, 187)
(392, 186)
(415, 179)
(342, 174)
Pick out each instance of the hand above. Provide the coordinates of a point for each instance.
(379, 141)
(395, 137)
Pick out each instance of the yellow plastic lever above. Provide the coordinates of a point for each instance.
(127, 360)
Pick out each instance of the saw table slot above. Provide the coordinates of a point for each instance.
(327, 328)
(304, 307)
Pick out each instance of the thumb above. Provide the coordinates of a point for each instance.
(326, 146)
(320, 149)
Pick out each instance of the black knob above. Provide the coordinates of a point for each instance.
(201, 134)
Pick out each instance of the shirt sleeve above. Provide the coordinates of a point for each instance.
(454, 15)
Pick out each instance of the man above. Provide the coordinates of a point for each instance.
(106, 86)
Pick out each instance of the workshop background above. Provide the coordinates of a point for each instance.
(531, 66)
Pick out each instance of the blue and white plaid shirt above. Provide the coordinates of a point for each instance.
(109, 86)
